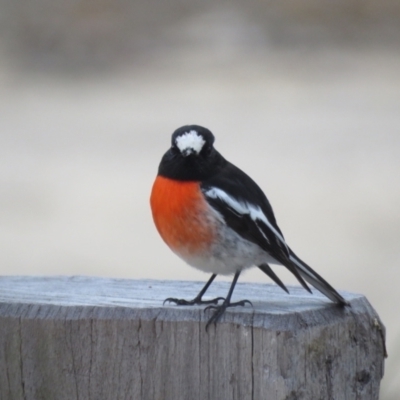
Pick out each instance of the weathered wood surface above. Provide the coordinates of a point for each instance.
(91, 338)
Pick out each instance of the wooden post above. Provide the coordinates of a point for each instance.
(92, 338)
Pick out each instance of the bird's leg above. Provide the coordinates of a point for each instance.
(220, 309)
(197, 299)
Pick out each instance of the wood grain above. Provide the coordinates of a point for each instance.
(94, 338)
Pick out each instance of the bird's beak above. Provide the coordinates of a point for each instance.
(187, 152)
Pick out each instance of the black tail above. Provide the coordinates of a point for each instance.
(316, 280)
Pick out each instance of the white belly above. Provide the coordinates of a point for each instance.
(229, 254)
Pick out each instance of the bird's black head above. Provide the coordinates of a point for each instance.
(192, 155)
(192, 139)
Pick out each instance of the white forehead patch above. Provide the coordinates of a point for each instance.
(190, 140)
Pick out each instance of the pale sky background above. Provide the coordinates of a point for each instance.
(310, 110)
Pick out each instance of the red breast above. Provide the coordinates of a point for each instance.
(182, 216)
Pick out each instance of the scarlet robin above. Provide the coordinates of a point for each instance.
(217, 219)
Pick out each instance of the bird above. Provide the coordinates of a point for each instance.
(217, 219)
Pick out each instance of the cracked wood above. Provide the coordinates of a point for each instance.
(81, 338)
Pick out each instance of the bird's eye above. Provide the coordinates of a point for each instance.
(206, 150)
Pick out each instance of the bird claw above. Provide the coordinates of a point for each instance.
(219, 310)
(183, 302)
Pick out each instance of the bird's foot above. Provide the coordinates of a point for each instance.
(195, 301)
(219, 310)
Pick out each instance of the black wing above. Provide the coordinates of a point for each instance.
(247, 211)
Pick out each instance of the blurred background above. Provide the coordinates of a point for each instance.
(303, 96)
